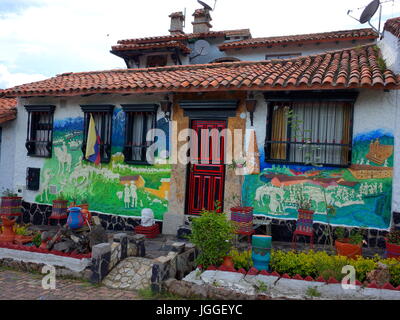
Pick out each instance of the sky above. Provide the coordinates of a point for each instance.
(42, 38)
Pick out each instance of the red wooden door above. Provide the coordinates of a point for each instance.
(207, 169)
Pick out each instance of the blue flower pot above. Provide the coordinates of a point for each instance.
(75, 218)
(261, 252)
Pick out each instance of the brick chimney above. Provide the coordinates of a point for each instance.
(177, 20)
(201, 21)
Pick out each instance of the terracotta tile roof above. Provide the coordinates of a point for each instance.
(342, 69)
(393, 26)
(302, 38)
(8, 109)
(156, 45)
(188, 36)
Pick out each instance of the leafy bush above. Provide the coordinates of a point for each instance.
(21, 230)
(37, 239)
(212, 233)
(394, 237)
(317, 264)
(355, 237)
(241, 259)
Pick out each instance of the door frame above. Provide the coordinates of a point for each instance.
(207, 110)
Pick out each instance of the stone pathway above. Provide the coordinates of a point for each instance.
(15, 285)
(132, 273)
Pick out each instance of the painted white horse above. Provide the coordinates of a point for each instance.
(64, 159)
(44, 187)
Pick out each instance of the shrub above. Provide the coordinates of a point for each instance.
(317, 264)
(241, 259)
(212, 233)
(393, 237)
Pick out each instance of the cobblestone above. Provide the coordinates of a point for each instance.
(17, 285)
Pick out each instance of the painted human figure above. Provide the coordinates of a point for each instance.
(127, 196)
(133, 193)
(381, 187)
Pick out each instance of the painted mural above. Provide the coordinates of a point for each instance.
(360, 194)
(115, 188)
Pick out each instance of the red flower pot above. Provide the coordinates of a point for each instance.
(392, 250)
(345, 248)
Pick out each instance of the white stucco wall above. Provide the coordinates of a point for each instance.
(396, 174)
(65, 108)
(390, 48)
(7, 155)
(257, 54)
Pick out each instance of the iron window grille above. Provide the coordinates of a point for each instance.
(102, 115)
(309, 133)
(39, 136)
(139, 119)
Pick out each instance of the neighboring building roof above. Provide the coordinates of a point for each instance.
(341, 69)
(345, 35)
(393, 26)
(189, 36)
(148, 46)
(8, 109)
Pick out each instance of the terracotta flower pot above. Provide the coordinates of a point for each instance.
(87, 216)
(228, 262)
(392, 250)
(345, 248)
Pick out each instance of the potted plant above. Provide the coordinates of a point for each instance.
(350, 246)
(10, 208)
(85, 210)
(393, 244)
(59, 210)
(212, 233)
(303, 202)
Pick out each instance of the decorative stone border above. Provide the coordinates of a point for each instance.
(44, 251)
(254, 272)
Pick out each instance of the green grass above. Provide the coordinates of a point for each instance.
(313, 292)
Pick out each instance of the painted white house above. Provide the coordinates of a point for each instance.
(342, 86)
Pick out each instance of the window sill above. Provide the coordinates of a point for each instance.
(37, 156)
(144, 163)
(285, 163)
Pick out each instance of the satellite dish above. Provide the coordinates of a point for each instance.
(202, 48)
(369, 11)
(205, 5)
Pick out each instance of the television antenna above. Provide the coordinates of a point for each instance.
(206, 6)
(369, 12)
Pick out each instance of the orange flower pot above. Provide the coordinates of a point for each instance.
(345, 248)
(228, 262)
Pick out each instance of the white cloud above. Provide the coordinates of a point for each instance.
(8, 79)
(57, 36)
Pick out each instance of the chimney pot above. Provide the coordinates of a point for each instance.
(177, 20)
(202, 19)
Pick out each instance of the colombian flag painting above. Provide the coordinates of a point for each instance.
(93, 143)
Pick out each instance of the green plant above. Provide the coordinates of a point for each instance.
(9, 193)
(212, 233)
(37, 239)
(320, 263)
(381, 64)
(393, 237)
(261, 287)
(241, 259)
(303, 202)
(22, 230)
(61, 197)
(313, 292)
(355, 237)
